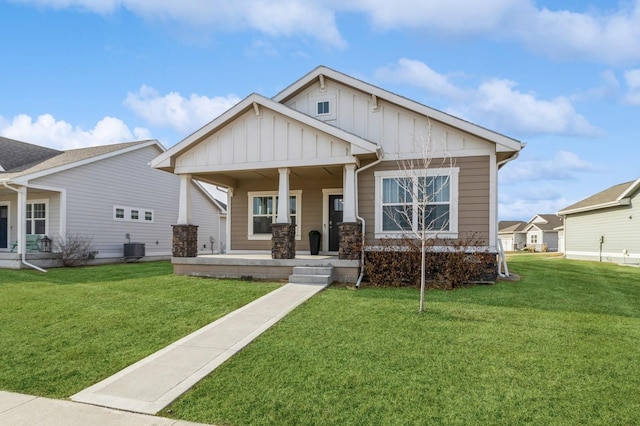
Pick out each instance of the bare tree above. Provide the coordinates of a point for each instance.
(74, 249)
(417, 202)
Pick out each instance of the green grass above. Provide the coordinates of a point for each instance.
(559, 347)
(71, 327)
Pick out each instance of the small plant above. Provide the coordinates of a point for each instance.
(74, 250)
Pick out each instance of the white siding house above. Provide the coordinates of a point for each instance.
(605, 226)
(108, 194)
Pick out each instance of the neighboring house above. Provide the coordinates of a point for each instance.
(604, 226)
(541, 233)
(108, 194)
(327, 154)
(512, 234)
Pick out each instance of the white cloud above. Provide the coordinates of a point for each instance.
(175, 111)
(58, 134)
(632, 79)
(495, 103)
(419, 74)
(525, 208)
(563, 165)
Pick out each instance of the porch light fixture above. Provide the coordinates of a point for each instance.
(46, 244)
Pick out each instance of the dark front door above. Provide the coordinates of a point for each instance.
(335, 217)
(4, 226)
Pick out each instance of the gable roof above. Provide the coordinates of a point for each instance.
(545, 222)
(617, 195)
(72, 158)
(504, 143)
(17, 155)
(511, 226)
(256, 101)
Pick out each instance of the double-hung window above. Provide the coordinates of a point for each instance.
(36, 217)
(263, 211)
(413, 201)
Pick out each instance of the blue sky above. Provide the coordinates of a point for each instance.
(562, 76)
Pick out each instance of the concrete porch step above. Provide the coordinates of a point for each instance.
(312, 275)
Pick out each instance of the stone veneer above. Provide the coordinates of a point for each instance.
(283, 243)
(350, 240)
(185, 241)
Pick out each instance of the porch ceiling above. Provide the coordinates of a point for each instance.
(230, 178)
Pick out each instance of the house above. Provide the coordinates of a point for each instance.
(327, 154)
(512, 234)
(106, 194)
(603, 227)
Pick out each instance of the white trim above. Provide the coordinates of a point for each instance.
(604, 255)
(63, 207)
(617, 203)
(250, 235)
(127, 211)
(452, 172)
(326, 192)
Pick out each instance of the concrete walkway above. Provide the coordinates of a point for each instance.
(26, 410)
(154, 382)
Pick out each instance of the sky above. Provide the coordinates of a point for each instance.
(561, 76)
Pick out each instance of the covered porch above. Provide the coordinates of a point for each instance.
(262, 266)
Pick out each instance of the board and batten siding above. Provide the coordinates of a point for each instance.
(312, 205)
(259, 142)
(399, 131)
(619, 227)
(127, 180)
(473, 197)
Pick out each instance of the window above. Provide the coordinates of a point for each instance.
(37, 217)
(322, 108)
(132, 214)
(417, 200)
(534, 239)
(263, 211)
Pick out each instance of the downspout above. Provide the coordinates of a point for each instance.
(23, 247)
(380, 156)
(503, 258)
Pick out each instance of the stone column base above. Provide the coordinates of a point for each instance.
(185, 241)
(283, 243)
(350, 240)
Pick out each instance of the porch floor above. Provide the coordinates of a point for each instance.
(261, 266)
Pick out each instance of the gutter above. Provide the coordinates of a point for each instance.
(23, 256)
(380, 155)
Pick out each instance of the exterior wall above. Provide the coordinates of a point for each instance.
(93, 189)
(312, 205)
(473, 197)
(551, 240)
(618, 227)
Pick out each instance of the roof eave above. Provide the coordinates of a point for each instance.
(617, 203)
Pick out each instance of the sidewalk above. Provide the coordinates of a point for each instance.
(154, 382)
(26, 410)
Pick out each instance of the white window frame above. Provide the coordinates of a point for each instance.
(274, 195)
(142, 214)
(323, 101)
(44, 201)
(450, 172)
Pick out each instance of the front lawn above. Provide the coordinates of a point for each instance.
(65, 330)
(559, 347)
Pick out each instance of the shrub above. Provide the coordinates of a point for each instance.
(74, 250)
(449, 264)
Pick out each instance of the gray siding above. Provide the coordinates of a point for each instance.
(619, 227)
(93, 189)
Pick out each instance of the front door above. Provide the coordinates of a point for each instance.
(335, 217)
(4, 227)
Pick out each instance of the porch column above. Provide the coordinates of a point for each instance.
(349, 230)
(284, 207)
(184, 212)
(349, 193)
(185, 235)
(283, 232)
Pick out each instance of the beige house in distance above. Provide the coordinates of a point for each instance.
(604, 227)
(326, 154)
